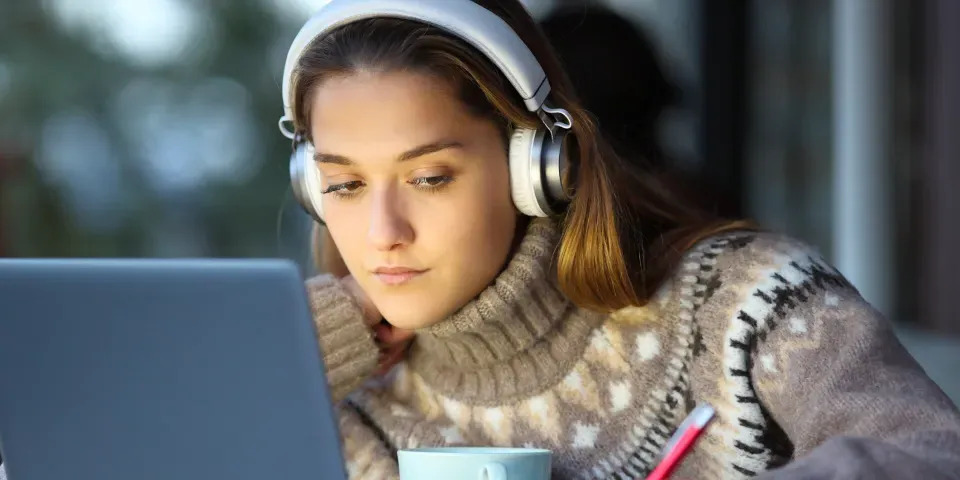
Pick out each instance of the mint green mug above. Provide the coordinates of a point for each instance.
(474, 463)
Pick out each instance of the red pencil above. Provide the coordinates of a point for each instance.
(682, 441)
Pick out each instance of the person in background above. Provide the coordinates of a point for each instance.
(458, 310)
(619, 79)
(617, 74)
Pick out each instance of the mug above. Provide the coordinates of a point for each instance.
(474, 463)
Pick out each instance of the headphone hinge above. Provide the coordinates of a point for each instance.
(554, 119)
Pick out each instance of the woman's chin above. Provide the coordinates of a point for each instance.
(420, 307)
(412, 314)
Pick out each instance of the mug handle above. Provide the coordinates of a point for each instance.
(493, 471)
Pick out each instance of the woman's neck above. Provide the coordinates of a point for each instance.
(515, 337)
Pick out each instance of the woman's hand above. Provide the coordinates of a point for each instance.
(393, 342)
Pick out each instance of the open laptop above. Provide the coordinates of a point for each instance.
(161, 370)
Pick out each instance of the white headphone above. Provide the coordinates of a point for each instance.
(537, 159)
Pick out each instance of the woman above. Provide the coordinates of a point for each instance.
(591, 332)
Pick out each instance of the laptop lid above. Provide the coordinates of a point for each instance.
(160, 370)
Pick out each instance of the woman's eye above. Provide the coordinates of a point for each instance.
(432, 182)
(345, 188)
(355, 187)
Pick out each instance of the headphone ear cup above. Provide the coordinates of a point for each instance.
(525, 172)
(305, 180)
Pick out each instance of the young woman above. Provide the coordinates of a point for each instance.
(529, 288)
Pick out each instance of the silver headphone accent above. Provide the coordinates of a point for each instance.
(298, 181)
(537, 158)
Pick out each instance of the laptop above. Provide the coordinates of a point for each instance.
(161, 370)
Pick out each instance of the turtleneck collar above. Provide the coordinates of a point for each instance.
(517, 336)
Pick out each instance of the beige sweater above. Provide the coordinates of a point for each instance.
(801, 371)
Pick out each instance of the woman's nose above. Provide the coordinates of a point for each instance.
(389, 227)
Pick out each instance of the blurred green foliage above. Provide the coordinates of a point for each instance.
(46, 69)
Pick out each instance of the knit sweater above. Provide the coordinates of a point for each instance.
(808, 381)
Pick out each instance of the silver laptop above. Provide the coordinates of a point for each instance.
(161, 370)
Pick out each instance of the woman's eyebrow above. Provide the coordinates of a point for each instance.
(428, 148)
(416, 152)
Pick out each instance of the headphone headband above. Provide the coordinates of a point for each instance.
(470, 22)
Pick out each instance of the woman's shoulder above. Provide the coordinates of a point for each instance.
(754, 273)
(760, 258)
(748, 249)
(746, 285)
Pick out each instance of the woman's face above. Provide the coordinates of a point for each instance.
(417, 192)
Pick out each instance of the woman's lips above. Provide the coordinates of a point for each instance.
(397, 275)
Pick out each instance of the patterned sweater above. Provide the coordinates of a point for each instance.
(807, 379)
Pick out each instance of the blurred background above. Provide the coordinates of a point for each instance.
(149, 129)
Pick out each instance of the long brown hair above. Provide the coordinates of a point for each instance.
(623, 232)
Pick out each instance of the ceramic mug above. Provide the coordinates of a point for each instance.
(474, 463)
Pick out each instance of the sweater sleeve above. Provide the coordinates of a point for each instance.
(349, 352)
(829, 372)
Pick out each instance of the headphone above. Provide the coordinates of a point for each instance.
(536, 156)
